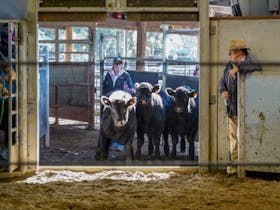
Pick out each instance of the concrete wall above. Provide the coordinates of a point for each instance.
(261, 38)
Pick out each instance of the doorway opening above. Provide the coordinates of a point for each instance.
(79, 56)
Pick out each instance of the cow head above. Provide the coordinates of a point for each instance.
(120, 104)
(182, 98)
(144, 92)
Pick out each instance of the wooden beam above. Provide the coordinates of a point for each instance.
(22, 97)
(72, 16)
(155, 26)
(162, 16)
(32, 86)
(68, 47)
(73, 3)
(114, 23)
(161, 3)
(141, 45)
(204, 87)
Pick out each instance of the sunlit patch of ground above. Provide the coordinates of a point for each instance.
(69, 176)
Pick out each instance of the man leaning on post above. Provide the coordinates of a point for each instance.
(240, 62)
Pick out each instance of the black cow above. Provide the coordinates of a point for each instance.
(150, 117)
(118, 122)
(182, 118)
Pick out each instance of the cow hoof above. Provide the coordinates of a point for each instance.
(191, 158)
(128, 161)
(173, 155)
(137, 156)
(183, 147)
(157, 157)
(166, 152)
(97, 156)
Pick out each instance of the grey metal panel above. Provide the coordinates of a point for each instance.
(175, 81)
(66, 74)
(144, 76)
(254, 7)
(262, 119)
(44, 96)
(13, 9)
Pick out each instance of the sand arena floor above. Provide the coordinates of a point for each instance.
(180, 191)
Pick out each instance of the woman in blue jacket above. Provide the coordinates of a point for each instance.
(117, 79)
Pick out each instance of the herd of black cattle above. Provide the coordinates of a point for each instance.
(154, 112)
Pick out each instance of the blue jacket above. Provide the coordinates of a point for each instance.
(230, 84)
(123, 82)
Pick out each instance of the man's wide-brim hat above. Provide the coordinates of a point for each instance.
(117, 60)
(237, 44)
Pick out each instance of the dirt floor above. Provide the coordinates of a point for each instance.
(182, 191)
(72, 145)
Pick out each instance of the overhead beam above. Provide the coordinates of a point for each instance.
(112, 3)
(162, 16)
(127, 9)
(137, 10)
(73, 3)
(72, 16)
(161, 3)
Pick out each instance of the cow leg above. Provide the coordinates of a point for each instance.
(129, 149)
(98, 150)
(166, 145)
(191, 147)
(183, 144)
(157, 143)
(102, 147)
(129, 152)
(151, 146)
(105, 150)
(174, 144)
(140, 142)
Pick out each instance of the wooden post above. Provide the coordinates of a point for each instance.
(22, 97)
(68, 47)
(91, 78)
(241, 126)
(204, 87)
(141, 45)
(32, 86)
